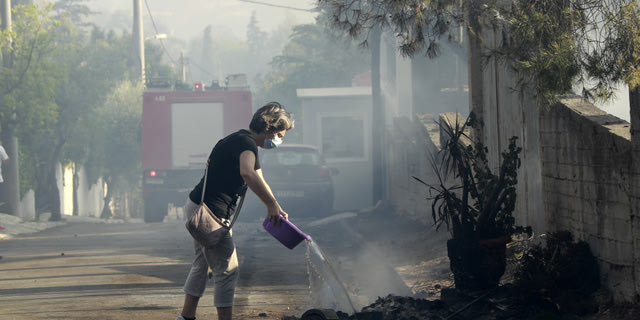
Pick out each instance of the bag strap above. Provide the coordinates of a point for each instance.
(204, 184)
(238, 207)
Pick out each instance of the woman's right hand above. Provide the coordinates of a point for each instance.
(275, 213)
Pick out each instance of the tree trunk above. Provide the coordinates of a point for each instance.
(47, 195)
(11, 184)
(56, 214)
(634, 104)
(378, 128)
(75, 190)
(106, 210)
(476, 66)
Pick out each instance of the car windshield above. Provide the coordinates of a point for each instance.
(290, 158)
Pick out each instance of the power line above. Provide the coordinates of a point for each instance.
(201, 68)
(165, 49)
(278, 5)
(156, 30)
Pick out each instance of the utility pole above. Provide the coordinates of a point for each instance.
(138, 37)
(378, 126)
(11, 185)
(634, 105)
(183, 68)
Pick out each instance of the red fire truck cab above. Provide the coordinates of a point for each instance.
(179, 130)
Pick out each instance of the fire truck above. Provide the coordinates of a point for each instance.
(179, 130)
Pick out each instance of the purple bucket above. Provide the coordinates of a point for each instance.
(287, 233)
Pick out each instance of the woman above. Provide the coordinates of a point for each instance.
(232, 164)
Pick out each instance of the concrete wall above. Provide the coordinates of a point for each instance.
(579, 170)
(586, 162)
(322, 109)
(509, 111)
(90, 196)
(412, 144)
(575, 172)
(28, 206)
(634, 111)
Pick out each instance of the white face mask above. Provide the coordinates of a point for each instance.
(272, 143)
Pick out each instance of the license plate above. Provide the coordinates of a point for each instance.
(154, 181)
(290, 194)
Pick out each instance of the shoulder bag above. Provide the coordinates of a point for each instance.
(204, 226)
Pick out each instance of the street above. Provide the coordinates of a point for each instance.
(84, 270)
(136, 271)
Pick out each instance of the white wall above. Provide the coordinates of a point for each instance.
(28, 206)
(90, 197)
(353, 185)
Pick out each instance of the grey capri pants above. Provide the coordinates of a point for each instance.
(222, 260)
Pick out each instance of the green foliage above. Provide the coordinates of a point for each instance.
(418, 24)
(73, 10)
(115, 134)
(542, 43)
(472, 201)
(26, 88)
(618, 56)
(67, 89)
(553, 44)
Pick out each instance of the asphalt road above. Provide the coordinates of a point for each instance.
(136, 271)
(85, 270)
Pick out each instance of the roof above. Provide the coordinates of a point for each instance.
(333, 92)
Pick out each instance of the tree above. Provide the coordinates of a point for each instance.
(256, 38)
(312, 58)
(419, 25)
(115, 133)
(75, 10)
(86, 67)
(28, 82)
(106, 139)
(62, 73)
(557, 43)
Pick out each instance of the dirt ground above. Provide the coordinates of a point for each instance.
(418, 254)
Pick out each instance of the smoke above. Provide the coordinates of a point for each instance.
(352, 278)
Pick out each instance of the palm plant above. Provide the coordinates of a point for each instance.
(468, 197)
(475, 204)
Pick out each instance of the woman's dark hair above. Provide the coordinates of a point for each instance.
(272, 117)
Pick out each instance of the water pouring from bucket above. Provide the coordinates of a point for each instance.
(326, 287)
(287, 233)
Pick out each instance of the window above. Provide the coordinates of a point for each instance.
(295, 157)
